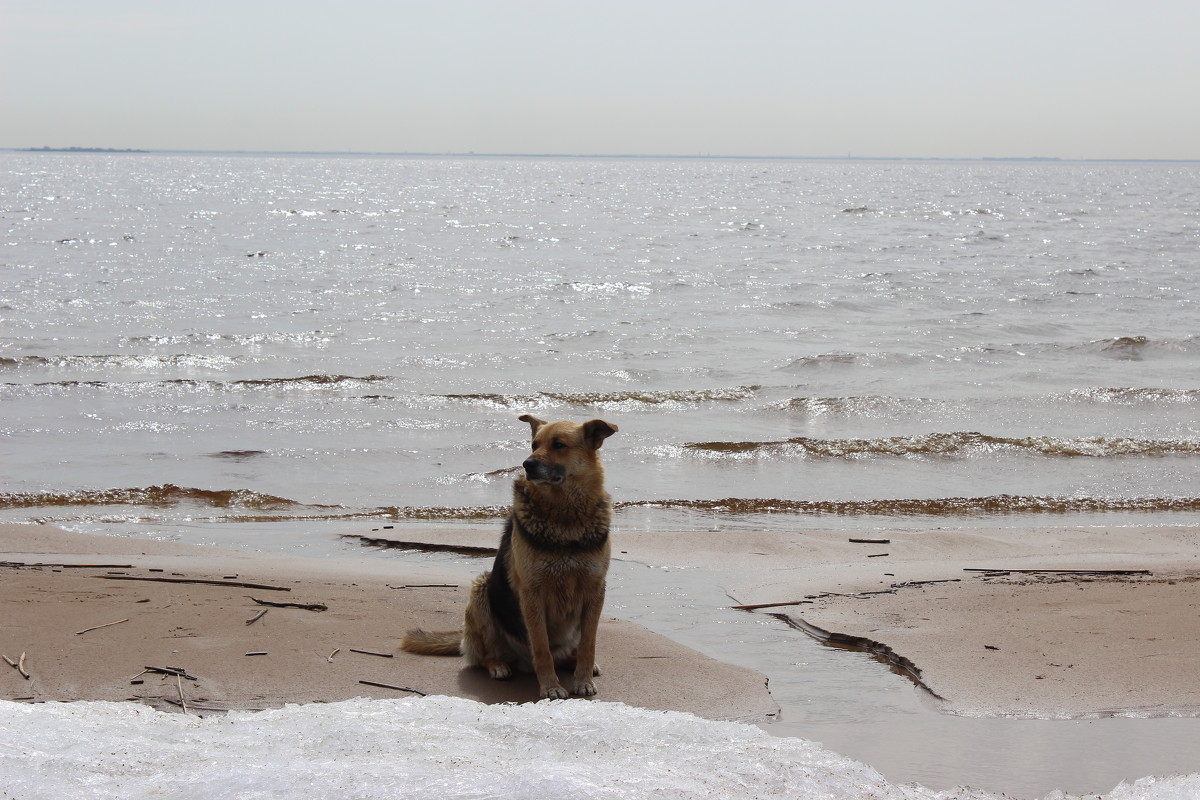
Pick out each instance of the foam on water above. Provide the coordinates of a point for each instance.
(435, 747)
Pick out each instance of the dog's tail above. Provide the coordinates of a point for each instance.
(432, 643)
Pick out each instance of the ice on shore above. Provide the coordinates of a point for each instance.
(434, 747)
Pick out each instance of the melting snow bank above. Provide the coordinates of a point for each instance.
(433, 747)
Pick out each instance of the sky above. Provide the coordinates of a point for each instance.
(867, 78)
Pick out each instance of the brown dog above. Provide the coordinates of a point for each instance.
(540, 604)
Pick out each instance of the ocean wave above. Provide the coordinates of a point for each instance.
(1135, 348)
(306, 338)
(844, 359)
(305, 381)
(1130, 396)
(937, 506)
(949, 444)
(302, 382)
(123, 361)
(855, 406)
(608, 399)
(246, 505)
(1129, 348)
(165, 495)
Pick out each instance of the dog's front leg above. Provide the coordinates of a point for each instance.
(585, 660)
(534, 613)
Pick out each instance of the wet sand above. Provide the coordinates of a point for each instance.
(1015, 641)
(192, 623)
(971, 614)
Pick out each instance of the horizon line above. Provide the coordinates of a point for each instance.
(474, 154)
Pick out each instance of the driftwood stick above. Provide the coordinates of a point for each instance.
(179, 673)
(1064, 571)
(305, 606)
(427, 547)
(390, 686)
(426, 586)
(195, 580)
(98, 627)
(753, 606)
(64, 566)
(334, 653)
(179, 685)
(257, 616)
(370, 653)
(871, 541)
(18, 666)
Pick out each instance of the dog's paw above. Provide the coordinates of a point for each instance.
(500, 671)
(555, 693)
(584, 689)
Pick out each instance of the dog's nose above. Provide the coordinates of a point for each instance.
(531, 465)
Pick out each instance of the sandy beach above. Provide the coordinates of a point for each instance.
(106, 618)
(1055, 622)
(1037, 622)
(990, 624)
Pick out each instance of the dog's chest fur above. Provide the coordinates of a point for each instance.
(561, 530)
(562, 555)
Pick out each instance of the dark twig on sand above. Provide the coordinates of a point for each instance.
(871, 541)
(176, 671)
(98, 627)
(1063, 571)
(195, 580)
(426, 586)
(390, 686)
(305, 606)
(64, 566)
(755, 606)
(425, 547)
(370, 653)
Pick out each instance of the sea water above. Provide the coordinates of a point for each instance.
(239, 348)
(439, 747)
(246, 338)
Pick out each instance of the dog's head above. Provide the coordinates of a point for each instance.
(565, 451)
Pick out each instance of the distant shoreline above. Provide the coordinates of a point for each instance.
(632, 156)
(48, 149)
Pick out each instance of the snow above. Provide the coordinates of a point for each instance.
(439, 747)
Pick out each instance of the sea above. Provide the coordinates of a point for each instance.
(259, 350)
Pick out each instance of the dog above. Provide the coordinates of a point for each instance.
(539, 606)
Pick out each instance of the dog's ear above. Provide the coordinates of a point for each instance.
(596, 431)
(533, 421)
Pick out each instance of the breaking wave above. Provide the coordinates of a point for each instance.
(1127, 396)
(164, 495)
(951, 444)
(1125, 348)
(937, 507)
(610, 399)
(140, 363)
(245, 505)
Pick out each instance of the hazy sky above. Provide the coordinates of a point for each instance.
(953, 78)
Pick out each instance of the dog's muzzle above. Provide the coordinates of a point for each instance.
(540, 472)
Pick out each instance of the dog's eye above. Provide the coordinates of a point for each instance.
(559, 446)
